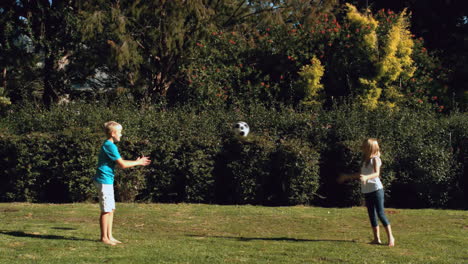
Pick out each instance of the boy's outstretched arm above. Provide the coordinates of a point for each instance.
(141, 161)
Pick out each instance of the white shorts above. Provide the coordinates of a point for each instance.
(106, 196)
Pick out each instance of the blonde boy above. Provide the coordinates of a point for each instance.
(104, 178)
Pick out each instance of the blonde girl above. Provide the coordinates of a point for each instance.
(372, 188)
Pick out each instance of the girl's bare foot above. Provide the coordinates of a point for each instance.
(108, 242)
(376, 242)
(391, 242)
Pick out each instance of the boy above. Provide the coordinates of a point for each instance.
(104, 178)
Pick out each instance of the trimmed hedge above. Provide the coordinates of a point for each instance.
(289, 158)
(43, 167)
(421, 152)
(259, 170)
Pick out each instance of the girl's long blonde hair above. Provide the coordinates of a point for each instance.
(370, 148)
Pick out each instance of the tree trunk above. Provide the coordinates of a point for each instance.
(4, 75)
(160, 86)
(50, 95)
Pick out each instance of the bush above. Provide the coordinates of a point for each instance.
(259, 170)
(295, 173)
(339, 158)
(41, 167)
(420, 168)
(183, 145)
(290, 157)
(183, 171)
(242, 169)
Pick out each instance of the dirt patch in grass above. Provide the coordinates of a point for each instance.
(28, 256)
(16, 244)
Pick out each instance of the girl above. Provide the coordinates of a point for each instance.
(372, 188)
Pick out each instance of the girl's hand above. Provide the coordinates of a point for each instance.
(363, 179)
(342, 178)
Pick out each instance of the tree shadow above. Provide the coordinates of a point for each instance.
(31, 235)
(288, 239)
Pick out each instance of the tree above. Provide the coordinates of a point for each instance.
(310, 84)
(49, 29)
(12, 55)
(149, 40)
(152, 40)
(6, 32)
(391, 55)
(444, 27)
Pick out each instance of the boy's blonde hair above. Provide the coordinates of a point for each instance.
(110, 127)
(370, 148)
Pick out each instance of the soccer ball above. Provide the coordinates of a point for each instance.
(241, 129)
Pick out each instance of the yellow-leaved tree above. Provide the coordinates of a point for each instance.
(310, 85)
(388, 48)
(4, 101)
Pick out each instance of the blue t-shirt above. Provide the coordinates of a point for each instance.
(106, 162)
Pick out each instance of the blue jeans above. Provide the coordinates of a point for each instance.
(375, 207)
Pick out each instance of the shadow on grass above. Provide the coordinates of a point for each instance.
(289, 239)
(8, 210)
(31, 235)
(63, 228)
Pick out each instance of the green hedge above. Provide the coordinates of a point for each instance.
(260, 170)
(290, 157)
(43, 167)
(423, 163)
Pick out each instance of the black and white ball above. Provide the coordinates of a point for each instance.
(241, 129)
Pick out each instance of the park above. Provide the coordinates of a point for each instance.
(241, 131)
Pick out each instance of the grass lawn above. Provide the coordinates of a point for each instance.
(195, 233)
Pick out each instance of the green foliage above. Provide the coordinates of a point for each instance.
(429, 85)
(421, 167)
(184, 164)
(290, 157)
(258, 171)
(222, 53)
(296, 168)
(374, 58)
(38, 22)
(443, 37)
(243, 171)
(40, 167)
(387, 43)
(151, 41)
(20, 77)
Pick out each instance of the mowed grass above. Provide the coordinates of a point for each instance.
(196, 233)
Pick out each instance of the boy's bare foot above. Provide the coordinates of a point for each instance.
(113, 240)
(391, 242)
(108, 242)
(376, 242)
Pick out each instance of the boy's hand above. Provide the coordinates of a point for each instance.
(342, 178)
(144, 161)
